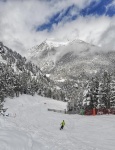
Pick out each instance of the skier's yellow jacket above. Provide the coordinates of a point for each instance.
(63, 123)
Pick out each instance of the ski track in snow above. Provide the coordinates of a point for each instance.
(36, 128)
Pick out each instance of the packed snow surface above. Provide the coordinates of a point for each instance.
(30, 126)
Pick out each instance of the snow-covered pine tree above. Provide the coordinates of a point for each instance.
(91, 94)
(112, 94)
(105, 90)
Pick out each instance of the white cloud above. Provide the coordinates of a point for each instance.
(112, 4)
(19, 20)
(107, 39)
(89, 29)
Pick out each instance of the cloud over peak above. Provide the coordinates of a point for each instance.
(26, 23)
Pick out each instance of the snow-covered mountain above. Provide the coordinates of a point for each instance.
(19, 76)
(46, 51)
(61, 60)
(16, 61)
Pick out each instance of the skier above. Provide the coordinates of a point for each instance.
(62, 125)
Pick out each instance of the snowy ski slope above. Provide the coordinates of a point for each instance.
(31, 127)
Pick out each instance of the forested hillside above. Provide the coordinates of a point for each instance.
(19, 76)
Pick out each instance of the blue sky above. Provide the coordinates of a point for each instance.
(26, 23)
(98, 8)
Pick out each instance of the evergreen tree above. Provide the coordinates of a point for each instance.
(91, 96)
(105, 90)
